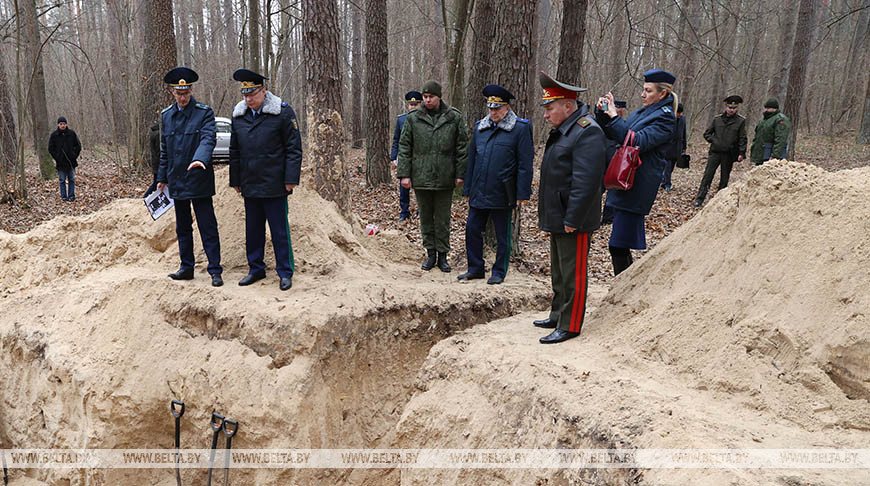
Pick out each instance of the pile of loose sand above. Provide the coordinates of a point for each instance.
(747, 328)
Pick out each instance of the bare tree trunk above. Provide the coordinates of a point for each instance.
(513, 50)
(325, 127)
(8, 141)
(267, 47)
(200, 49)
(692, 13)
(254, 36)
(483, 29)
(159, 56)
(859, 46)
(34, 81)
(455, 28)
(356, 81)
(864, 132)
(616, 58)
(512, 59)
(785, 45)
(573, 37)
(377, 118)
(182, 28)
(117, 21)
(231, 40)
(803, 43)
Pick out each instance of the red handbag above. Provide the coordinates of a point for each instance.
(623, 165)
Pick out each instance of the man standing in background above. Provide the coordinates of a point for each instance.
(771, 135)
(727, 136)
(413, 99)
(64, 147)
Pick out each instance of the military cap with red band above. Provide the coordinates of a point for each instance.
(556, 90)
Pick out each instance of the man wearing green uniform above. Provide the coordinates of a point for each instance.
(432, 155)
(727, 137)
(771, 135)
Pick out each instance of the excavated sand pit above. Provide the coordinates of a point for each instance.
(96, 340)
(745, 329)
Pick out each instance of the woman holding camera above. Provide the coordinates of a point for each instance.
(653, 125)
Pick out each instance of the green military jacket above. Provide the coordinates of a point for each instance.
(771, 129)
(727, 135)
(433, 148)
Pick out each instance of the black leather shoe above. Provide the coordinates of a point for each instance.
(403, 217)
(251, 278)
(545, 323)
(469, 276)
(442, 262)
(286, 283)
(216, 280)
(558, 336)
(495, 280)
(182, 274)
(429, 264)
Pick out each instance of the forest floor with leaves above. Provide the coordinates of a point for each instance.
(99, 180)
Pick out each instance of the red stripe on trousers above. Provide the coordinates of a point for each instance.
(579, 309)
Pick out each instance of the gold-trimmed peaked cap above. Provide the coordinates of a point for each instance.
(413, 97)
(556, 90)
(496, 96)
(181, 78)
(250, 80)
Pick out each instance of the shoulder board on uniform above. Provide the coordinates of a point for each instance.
(284, 103)
(667, 109)
(202, 106)
(583, 121)
(522, 120)
(164, 110)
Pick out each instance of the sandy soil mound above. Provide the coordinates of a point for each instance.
(747, 328)
(95, 340)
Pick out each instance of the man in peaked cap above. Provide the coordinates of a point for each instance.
(498, 176)
(413, 100)
(569, 202)
(432, 156)
(265, 163)
(726, 134)
(187, 139)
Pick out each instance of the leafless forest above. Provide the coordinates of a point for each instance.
(345, 65)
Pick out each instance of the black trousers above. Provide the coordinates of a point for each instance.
(715, 160)
(208, 231)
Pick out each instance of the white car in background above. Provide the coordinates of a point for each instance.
(222, 144)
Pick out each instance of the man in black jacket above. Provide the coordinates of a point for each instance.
(64, 147)
(569, 202)
(727, 136)
(154, 144)
(676, 150)
(265, 162)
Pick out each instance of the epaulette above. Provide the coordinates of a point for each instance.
(284, 103)
(164, 110)
(583, 121)
(522, 120)
(202, 106)
(667, 109)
